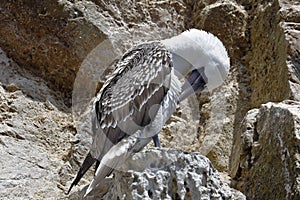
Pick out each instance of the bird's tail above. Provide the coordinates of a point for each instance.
(87, 163)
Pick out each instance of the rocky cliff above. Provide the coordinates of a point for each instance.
(47, 61)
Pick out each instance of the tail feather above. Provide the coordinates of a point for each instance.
(97, 165)
(87, 163)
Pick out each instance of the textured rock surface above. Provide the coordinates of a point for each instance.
(252, 33)
(290, 15)
(267, 158)
(169, 174)
(242, 146)
(34, 135)
(267, 60)
(127, 24)
(52, 38)
(48, 38)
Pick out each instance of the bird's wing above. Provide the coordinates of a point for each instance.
(128, 102)
(129, 97)
(140, 80)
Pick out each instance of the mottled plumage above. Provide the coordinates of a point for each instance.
(129, 99)
(143, 92)
(139, 74)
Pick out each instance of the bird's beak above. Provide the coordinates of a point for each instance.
(196, 81)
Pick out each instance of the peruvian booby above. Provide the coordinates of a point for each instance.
(143, 92)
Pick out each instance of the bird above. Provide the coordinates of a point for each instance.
(142, 93)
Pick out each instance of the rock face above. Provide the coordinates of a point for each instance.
(234, 126)
(48, 38)
(266, 159)
(290, 23)
(169, 174)
(35, 130)
(265, 156)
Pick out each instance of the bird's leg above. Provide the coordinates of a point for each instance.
(156, 141)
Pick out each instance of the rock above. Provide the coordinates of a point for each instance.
(290, 18)
(243, 143)
(128, 24)
(34, 136)
(181, 129)
(26, 171)
(11, 88)
(267, 60)
(167, 174)
(265, 164)
(255, 158)
(47, 37)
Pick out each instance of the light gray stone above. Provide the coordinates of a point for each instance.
(166, 174)
(34, 136)
(265, 164)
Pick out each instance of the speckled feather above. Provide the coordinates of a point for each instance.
(138, 75)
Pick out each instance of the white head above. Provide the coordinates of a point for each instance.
(201, 49)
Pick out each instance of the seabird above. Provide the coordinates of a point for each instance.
(143, 92)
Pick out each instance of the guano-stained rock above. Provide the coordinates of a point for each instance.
(266, 159)
(169, 174)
